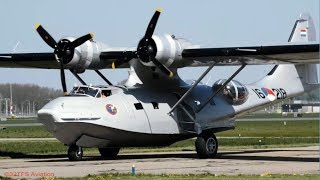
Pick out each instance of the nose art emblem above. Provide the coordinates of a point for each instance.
(111, 109)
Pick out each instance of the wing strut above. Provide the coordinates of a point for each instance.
(192, 87)
(78, 77)
(221, 88)
(103, 77)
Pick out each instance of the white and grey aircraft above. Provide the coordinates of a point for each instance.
(155, 107)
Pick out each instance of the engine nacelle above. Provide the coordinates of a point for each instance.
(82, 56)
(234, 92)
(169, 49)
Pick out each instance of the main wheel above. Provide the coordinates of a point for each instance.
(109, 153)
(206, 146)
(75, 153)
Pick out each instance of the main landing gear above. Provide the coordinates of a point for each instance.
(206, 145)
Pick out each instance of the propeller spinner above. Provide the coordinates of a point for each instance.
(63, 50)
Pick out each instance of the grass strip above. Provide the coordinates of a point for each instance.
(307, 128)
(26, 149)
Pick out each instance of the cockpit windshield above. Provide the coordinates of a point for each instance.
(94, 91)
(84, 91)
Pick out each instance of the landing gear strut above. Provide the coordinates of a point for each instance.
(206, 146)
(75, 153)
(109, 153)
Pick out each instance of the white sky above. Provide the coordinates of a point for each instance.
(209, 23)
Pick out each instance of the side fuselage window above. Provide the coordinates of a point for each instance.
(155, 105)
(105, 93)
(138, 106)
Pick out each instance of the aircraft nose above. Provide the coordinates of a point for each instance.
(48, 115)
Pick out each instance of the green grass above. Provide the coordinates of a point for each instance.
(278, 115)
(308, 128)
(18, 121)
(22, 148)
(253, 142)
(17, 149)
(25, 132)
(267, 131)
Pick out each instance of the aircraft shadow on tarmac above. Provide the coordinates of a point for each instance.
(237, 155)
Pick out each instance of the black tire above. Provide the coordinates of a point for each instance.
(206, 146)
(75, 153)
(109, 153)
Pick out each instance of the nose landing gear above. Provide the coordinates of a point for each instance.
(75, 153)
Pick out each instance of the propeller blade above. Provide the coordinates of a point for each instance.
(63, 79)
(81, 40)
(162, 67)
(46, 36)
(152, 24)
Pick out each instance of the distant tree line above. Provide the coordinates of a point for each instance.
(27, 99)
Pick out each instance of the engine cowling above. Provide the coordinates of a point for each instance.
(168, 49)
(82, 56)
(234, 92)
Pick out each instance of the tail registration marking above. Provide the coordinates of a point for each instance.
(271, 94)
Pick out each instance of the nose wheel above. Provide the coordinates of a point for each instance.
(75, 153)
(206, 146)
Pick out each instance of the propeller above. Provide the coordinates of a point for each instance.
(147, 48)
(63, 50)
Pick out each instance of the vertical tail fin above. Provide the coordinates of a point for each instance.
(303, 30)
(300, 77)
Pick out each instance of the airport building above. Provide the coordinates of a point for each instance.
(301, 107)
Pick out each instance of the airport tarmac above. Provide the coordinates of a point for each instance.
(298, 160)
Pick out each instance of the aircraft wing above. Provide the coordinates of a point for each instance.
(29, 60)
(278, 54)
(254, 55)
(165, 52)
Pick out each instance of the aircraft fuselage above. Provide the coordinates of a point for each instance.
(139, 116)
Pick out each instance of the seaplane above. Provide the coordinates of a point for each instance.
(155, 107)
